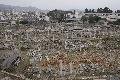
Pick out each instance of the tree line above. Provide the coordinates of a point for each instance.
(58, 15)
(99, 10)
(91, 19)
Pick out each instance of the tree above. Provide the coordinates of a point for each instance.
(116, 22)
(17, 24)
(58, 15)
(107, 10)
(96, 18)
(91, 19)
(84, 19)
(90, 10)
(86, 10)
(93, 10)
(101, 10)
(98, 10)
(24, 22)
(118, 11)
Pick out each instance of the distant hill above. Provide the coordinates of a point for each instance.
(18, 8)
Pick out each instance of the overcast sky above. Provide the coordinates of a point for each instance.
(64, 4)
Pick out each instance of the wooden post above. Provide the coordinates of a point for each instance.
(11, 37)
(61, 67)
(81, 35)
(90, 35)
(71, 68)
(53, 37)
(27, 36)
(6, 37)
